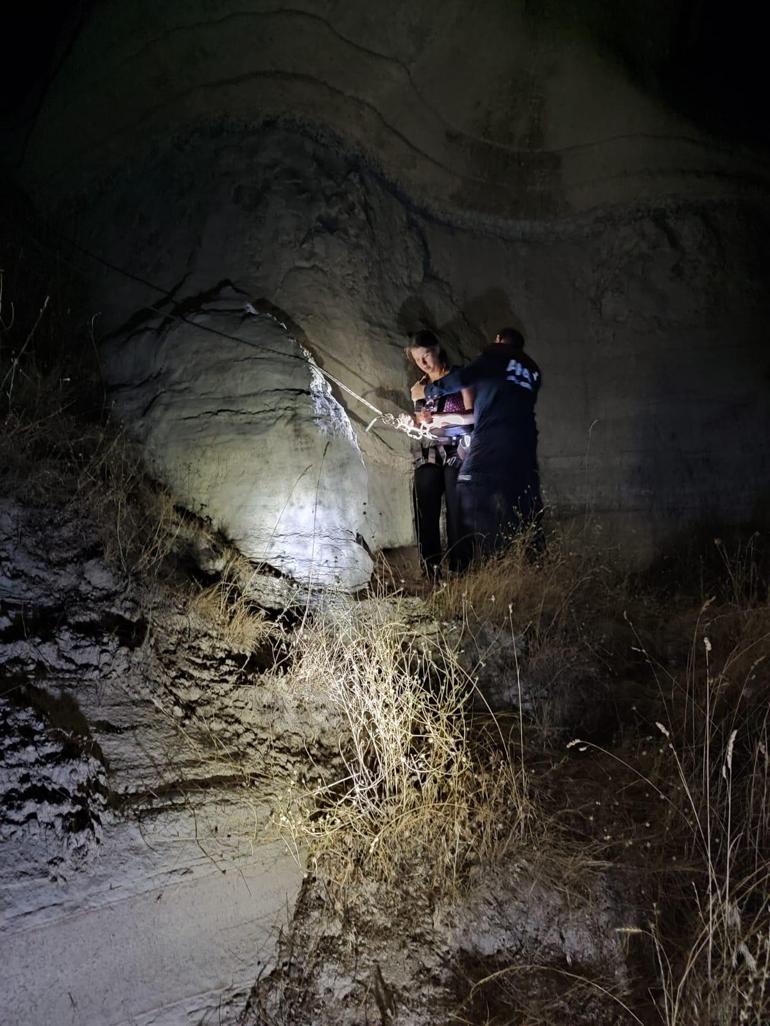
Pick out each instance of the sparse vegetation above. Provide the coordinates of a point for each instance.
(224, 606)
(50, 452)
(685, 806)
(542, 587)
(672, 792)
(420, 790)
(715, 769)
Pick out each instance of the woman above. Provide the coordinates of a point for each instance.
(437, 462)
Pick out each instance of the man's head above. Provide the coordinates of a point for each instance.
(425, 350)
(511, 336)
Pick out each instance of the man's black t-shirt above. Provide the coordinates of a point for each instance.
(507, 382)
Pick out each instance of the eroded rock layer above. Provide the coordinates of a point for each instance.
(139, 882)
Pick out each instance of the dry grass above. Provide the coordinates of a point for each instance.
(424, 789)
(543, 995)
(57, 448)
(57, 445)
(414, 791)
(706, 859)
(420, 785)
(560, 612)
(693, 788)
(540, 588)
(239, 624)
(136, 517)
(716, 731)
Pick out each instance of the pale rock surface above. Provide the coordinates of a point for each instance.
(647, 317)
(370, 170)
(648, 321)
(235, 416)
(497, 107)
(300, 226)
(141, 881)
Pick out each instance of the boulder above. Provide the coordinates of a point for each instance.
(236, 417)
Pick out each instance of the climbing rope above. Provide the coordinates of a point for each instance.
(399, 422)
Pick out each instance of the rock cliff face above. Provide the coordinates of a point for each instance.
(371, 171)
(499, 108)
(142, 752)
(257, 193)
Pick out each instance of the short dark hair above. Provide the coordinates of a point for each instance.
(512, 336)
(424, 340)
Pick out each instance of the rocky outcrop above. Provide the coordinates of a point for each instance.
(141, 882)
(346, 964)
(497, 108)
(142, 879)
(235, 416)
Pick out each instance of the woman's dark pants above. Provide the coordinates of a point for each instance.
(432, 483)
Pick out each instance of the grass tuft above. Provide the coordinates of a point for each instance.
(416, 789)
(240, 625)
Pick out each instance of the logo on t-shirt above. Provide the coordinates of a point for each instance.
(520, 375)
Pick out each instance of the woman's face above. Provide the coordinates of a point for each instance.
(427, 359)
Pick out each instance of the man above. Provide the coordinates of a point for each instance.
(499, 484)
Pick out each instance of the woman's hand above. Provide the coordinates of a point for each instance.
(418, 390)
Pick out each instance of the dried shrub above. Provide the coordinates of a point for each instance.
(416, 793)
(238, 623)
(58, 447)
(716, 971)
(543, 589)
(706, 857)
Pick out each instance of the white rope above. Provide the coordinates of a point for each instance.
(401, 422)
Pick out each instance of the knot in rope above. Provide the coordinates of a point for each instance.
(403, 422)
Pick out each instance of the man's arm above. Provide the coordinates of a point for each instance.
(440, 420)
(452, 382)
(463, 377)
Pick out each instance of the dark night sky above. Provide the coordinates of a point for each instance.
(29, 45)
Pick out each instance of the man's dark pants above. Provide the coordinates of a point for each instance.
(495, 507)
